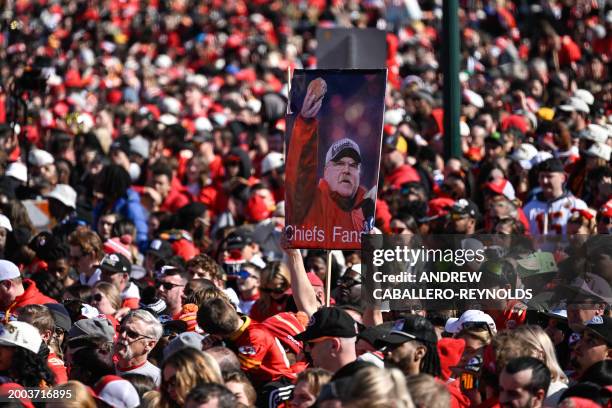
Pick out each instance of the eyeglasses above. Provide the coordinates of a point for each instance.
(166, 285)
(132, 334)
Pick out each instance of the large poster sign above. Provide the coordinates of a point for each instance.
(351, 48)
(333, 142)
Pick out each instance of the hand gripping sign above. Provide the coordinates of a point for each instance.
(333, 142)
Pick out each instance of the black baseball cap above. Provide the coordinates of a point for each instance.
(602, 327)
(115, 263)
(239, 239)
(329, 322)
(160, 248)
(60, 315)
(121, 143)
(465, 207)
(552, 165)
(409, 329)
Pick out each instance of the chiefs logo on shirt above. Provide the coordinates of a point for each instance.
(247, 350)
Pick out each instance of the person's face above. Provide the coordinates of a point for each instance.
(169, 381)
(579, 314)
(3, 234)
(232, 168)
(105, 226)
(589, 350)
(6, 358)
(316, 265)
(277, 287)
(118, 279)
(343, 176)
(349, 287)
(514, 391)
(198, 273)
(101, 302)
(459, 223)
(59, 267)
(161, 184)
(493, 150)
(49, 173)
(237, 389)
(320, 353)
(134, 340)
(473, 346)
(404, 357)
(80, 261)
(249, 283)
(551, 183)
(170, 290)
(302, 397)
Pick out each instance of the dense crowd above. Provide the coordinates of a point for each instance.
(142, 254)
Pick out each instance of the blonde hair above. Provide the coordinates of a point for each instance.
(111, 292)
(150, 399)
(315, 378)
(539, 341)
(79, 396)
(193, 368)
(427, 392)
(483, 335)
(378, 387)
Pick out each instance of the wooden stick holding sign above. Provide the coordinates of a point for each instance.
(328, 280)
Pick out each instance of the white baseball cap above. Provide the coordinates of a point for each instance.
(341, 146)
(117, 392)
(524, 154)
(20, 334)
(575, 104)
(600, 150)
(39, 157)
(64, 194)
(585, 95)
(595, 133)
(8, 270)
(273, 160)
(454, 325)
(5, 223)
(17, 171)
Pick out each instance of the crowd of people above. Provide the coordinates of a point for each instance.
(143, 260)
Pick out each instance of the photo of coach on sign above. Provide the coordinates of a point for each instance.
(333, 155)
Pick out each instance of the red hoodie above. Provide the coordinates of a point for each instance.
(31, 296)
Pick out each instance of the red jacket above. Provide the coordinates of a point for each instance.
(31, 296)
(316, 220)
(403, 174)
(56, 365)
(176, 198)
(259, 353)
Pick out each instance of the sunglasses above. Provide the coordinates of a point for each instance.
(348, 282)
(166, 285)
(477, 326)
(96, 298)
(273, 290)
(131, 334)
(398, 230)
